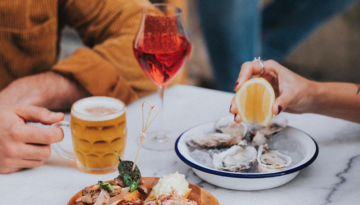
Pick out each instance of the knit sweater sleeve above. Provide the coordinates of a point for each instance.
(107, 66)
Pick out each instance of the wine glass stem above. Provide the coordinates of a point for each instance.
(161, 136)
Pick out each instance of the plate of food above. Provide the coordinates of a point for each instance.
(151, 191)
(246, 157)
(129, 188)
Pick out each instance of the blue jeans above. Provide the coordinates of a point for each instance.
(236, 31)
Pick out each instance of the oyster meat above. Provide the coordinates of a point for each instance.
(227, 125)
(277, 124)
(238, 158)
(212, 141)
(259, 134)
(271, 160)
(259, 139)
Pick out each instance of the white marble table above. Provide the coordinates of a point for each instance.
(334, 178)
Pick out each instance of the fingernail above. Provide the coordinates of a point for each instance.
(236, 84)
(280, 109)
(235, 116)
(230, 108)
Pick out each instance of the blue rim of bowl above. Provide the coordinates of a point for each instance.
(246, 175)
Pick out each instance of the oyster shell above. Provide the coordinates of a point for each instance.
(227, 125)
(212, 141)
(238, 158)
(277, 124)
(271, 160)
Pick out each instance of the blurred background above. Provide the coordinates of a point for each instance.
(331, 53)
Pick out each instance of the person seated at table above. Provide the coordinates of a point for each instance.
(32, 80)
(236, 30)
(296, 94)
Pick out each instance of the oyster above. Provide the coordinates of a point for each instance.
(259, 139)
(227, 125)
(212, 141)
(277, 124)
(271, 160)
(259, 134)
(238, 158)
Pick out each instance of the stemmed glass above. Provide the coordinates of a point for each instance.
(161, 47)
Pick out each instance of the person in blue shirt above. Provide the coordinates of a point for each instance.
(237, 30)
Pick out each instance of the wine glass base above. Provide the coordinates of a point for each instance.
(159, 141)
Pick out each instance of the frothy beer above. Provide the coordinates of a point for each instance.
(98, 126)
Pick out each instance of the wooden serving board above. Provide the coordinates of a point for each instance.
(198, 194)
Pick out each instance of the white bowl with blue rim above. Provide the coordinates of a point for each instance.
(300, 146)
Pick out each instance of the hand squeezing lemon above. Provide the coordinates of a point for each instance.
(254, 101)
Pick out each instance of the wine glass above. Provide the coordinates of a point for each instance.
(161, 47)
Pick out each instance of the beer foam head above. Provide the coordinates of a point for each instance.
(98, 108)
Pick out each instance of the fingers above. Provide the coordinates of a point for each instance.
(38, 135)
(7, 170)
(237, 118)
(38, 114)
(14, 165)
(14, 158)
(281, 103)
(233, 109)
(251, 68)
(23, 163)
(26, 146)
(36, 152)
(25, 151)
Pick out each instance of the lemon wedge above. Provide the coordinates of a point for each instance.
(254, 101)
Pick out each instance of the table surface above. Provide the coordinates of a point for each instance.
(332, 179)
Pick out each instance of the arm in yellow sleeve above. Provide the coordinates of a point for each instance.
(107, 66)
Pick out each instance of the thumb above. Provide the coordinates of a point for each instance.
(280, 104)
(39, 114)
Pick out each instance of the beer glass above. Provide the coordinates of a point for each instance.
(98, 129)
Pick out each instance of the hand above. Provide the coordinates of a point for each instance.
(293, 92)
(48, 89)
(22, 145)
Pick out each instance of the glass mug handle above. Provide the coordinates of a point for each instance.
(57, 148)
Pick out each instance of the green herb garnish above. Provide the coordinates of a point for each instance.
(107, 186)
(130, 178)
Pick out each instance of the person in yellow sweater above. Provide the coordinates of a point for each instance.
(32, 81)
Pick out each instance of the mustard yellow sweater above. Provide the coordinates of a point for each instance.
(29, 43)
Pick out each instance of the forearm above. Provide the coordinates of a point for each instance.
(49, 89)
(107, 65)
(340, 100)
